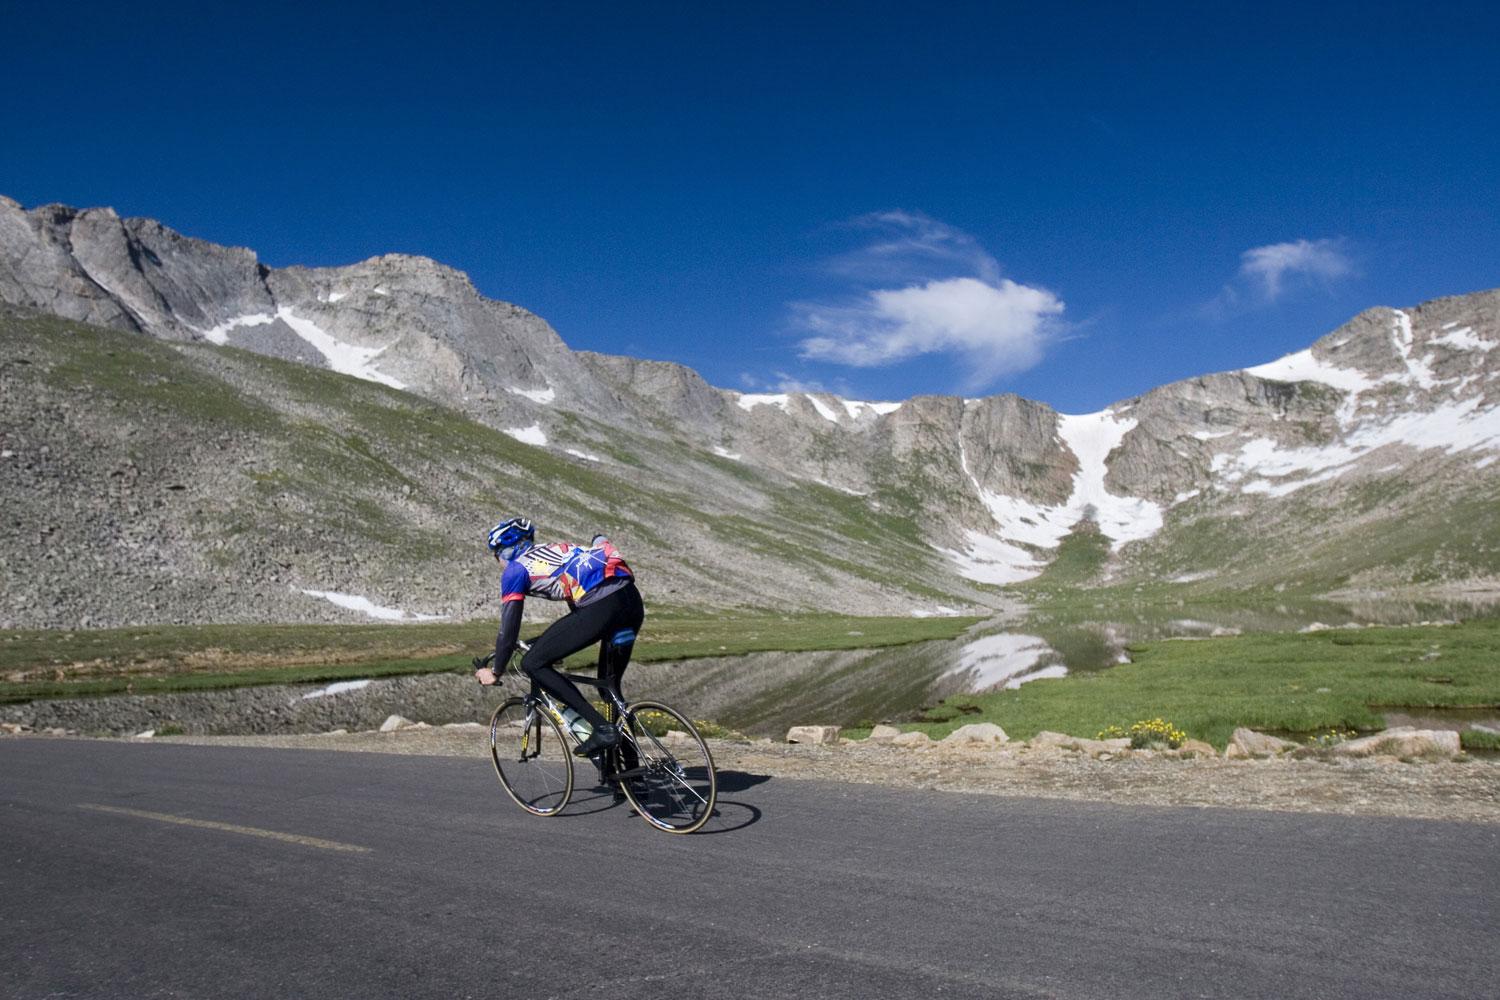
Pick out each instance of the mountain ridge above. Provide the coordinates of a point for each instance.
(990, 486)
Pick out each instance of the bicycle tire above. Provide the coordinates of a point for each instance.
(531, 757)
(678, 787)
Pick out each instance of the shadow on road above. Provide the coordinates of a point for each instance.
(729, 816)
(739, 781)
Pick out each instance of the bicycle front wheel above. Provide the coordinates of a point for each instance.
(671, 782)
(531, 757)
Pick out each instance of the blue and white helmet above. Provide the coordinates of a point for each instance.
(508, 536)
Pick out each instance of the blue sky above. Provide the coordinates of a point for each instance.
(884, 200)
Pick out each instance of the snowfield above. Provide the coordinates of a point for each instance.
(1001, 558)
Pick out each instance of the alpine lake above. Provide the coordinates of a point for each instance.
(763, 694)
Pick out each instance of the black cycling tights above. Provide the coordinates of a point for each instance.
(596, 622)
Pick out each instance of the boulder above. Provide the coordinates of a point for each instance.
(469, 726)
(1095, 747)
(1248, 743)
(1196, 748)
(986, 733)
(915, 739)
(813, 734)
(1048, 740)
(394, 722)
(676, 738)
(884, 734)
(1403, 741)
(145, 735)
(12, 728)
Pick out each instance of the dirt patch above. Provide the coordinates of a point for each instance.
(1466, 790)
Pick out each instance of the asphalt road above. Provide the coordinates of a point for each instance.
(151, 871)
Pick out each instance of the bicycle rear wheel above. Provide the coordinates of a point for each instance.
(673, 786)
(531, 757)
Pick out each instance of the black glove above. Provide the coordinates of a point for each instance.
(480, 662)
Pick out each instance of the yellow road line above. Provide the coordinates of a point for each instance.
(249, 831)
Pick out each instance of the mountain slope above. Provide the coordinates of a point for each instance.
(1333, 467)
(147, 481)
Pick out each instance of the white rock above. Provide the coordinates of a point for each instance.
(145, 735)
(394, 722)
(884, 734)
(978, 732)
(471, 726)
(1048, 740)
(1403, 741)
(914, 739)
(813, 734)
(1249, 743)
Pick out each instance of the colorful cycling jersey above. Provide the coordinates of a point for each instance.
(561, 571)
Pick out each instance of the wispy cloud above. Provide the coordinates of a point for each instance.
(1268, 267)
(920, 286)
(785, 382)
(904, 243)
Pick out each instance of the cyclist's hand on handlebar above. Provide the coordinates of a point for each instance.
(486, 676)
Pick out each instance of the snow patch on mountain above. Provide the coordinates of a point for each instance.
(220, 334)
(365, 606)
(749, 401)
(341, 357)
(726, 453)
(823, 409)
(1091, 437)
(1453, 427)
(1401, 333)
(1463, 339)
(542, 396)
(855, 407)
(529, 435)
(988, 559)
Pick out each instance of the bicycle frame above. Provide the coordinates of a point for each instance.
(648, 754)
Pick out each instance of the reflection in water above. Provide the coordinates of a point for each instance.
(994, 660)
(763, 694)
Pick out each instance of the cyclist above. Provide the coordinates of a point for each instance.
(603, 606)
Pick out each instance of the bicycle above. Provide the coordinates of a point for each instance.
(662, 765)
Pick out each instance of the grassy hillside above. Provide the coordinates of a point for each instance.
(209, 484)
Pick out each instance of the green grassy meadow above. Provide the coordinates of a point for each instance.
(1297, 683)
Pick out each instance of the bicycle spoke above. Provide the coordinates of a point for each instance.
(531, 758)
(673, 795)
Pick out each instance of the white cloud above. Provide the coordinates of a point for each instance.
(949, 298)
(1267, 267)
